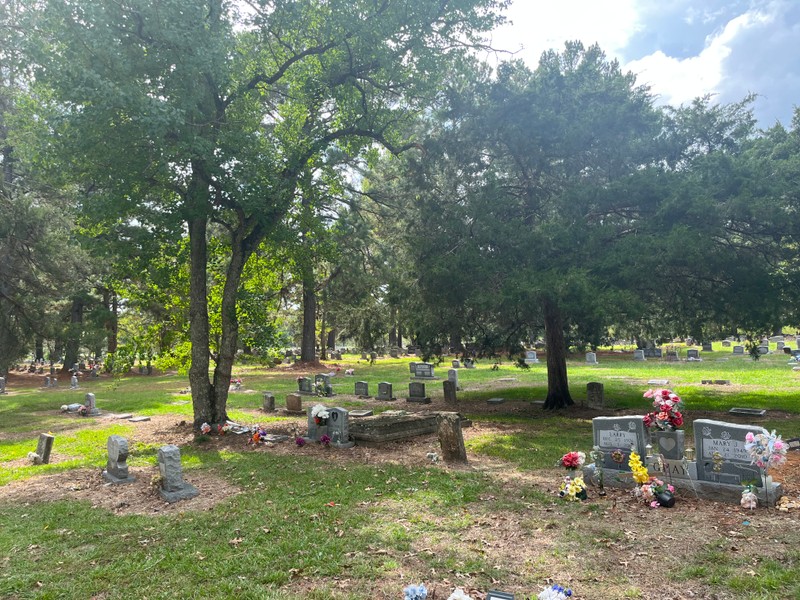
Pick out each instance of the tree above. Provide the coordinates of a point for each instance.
(210, 114)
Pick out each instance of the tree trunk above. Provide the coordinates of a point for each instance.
(323, 347)
(393, 330)
(39, 353)
(332, 338)
(112, 306)
(399, 335)
(309, 317)
(558, 395)
(451, 439)
(73, 345)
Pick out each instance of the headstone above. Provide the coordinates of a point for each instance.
(54, 382)
(671, 355)
(738, 349)
(394, 353)
(595, 394)
(73, 383)
(385, 391)
(619, 433)
(416, 393)
(412, 367)
(117, 467)
(322, 378)
(707, 347)
(269, 402)
(89, 402)
(363, 356)
(776, 338)
(726, 343)
(93, 373)
(305, 385)
(780, 345)
(649, 352)
(362, 389)
(452, 375)
(44, 447)
(469, 363)
(693, 354)
(531, 358)
(456, 364)
(424, 371)
(638, 355)
(451, 439)
(657, 353)
(449, 392)
(591, 358)
(763, 350)
(339, 429)
(721, 455)
(46, 384)
(294, 403)
(173, 486)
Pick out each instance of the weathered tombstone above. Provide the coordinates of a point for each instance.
(117, 466)
(412, 367)
(657, 352)
(738, 349)
(456, 364)
(452, 375)
(530, 357)
(591, 358)
(324, 380)
(424, 371)
(89, 402)
(638, 355)
(394, 353)
(73, 383)
(269, 402)
(54, 382)
(707, 347)
(776, 338)
(294, 403)
(726, 343)
(595, 394)
(451, 439)
(305, 385)
(449, 392)
(619, 433)
(780, 345)
(763, 350)
(671, 356)
(385, 391)
(46, 384)
(649, 352)
(416, 393)
(362, 389)
(721, 455)
(693, 354)
(44, 447)
(339, 428)
(173, 486)
(469, 363)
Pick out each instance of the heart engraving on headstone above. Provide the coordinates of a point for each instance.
(667, 444)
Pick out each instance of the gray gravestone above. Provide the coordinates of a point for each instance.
(591, 358)
(394, 353)
(362, 389)
(595, 394)
(89, 402)
(305, 385)
(117, 466)
(530, 357)
(452, 375)
(73, 383)
(738, 349)
(763, 350)
(316, 430)
(733, 463)
(780, 345)
(657, 353)
(456, 364)
(2, 385)
(46, 384)
(638, 355)
(726, 344)
(322, 378)
(173, 487)
(670, 444)
(373, 356)
(692, 354)
(423, 371)
(776, 338)
(412, 367)
(449, 392)
(707, 347)
(269, 402)
(294, 403)
(619, 433)
(385, 391)
(44, 447)
(416, 393)
(339, 428)
(363, 356)
(469, 363)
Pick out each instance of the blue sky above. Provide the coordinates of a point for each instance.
(680, 48)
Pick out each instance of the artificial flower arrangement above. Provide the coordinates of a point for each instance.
(555, 592)
(319, 413)
(300, 441)
(749, 498)
(573, 488)
(415, 592)
(653, 490)
(205, 428)
(666, 415)
(638, 470)
(83, 411)
(766, 450)
(236, 383)
(325, 440)
(258, 436)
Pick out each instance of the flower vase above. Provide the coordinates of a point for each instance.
(665, 499)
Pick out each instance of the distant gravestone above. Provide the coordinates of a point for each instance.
(90, 403)
(363, 356)
(338, 428)
(373, 356)
(305, 385)
(451, 439)
(46, 383)
(269, 402)
(693, 354)
(117, 466)
(469, 363)
(394, 353)
(385, 391)
(362, 389)
(450, 392)
(424, 371)
(726, 343)
(3, 385)
(324, 380)
(416, 393)
(638, 355)
(44, 447)
(595, 394)
(452, 375)
(619, 433)
(657, 352)
(412, 367)
(456, 364)
(707, 347)
(73, 383)
(738, 349)
(776, 338)
(780, 345)
(531, 358)
(763, 350)
(173, 486)
(721, 455)
(294, 403)
(591, 358)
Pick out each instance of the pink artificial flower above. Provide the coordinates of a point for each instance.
(665, 393)
(778, 444)
(654, 504)
(648, 394)
(671, 488)
(749, 437)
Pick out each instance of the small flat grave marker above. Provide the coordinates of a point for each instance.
(139, 419)
(753, 412)
(658, 382)
(360, 413)
(495, 400)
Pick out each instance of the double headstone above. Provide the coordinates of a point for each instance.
(416, 393)
(117, 466)
(693, 354)
(424, 371)
(173, 486)
(385, 391)
(726, 343)
(362, 389)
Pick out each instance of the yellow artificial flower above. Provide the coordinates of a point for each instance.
(640, 474)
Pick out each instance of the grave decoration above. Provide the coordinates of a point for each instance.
(597, 455)
(554, 592)
(766, 450)
(459, 594)
(236, 384)
(415, 592)
(259, 436)
(663, 422)
(320, 414)
(749, 497)
(651, 489)
(573, 488)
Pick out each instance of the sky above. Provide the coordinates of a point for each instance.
(680, 48)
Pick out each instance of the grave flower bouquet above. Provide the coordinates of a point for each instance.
(554, 592)
(654, 492)
(573, 489)
(766, 450)
(320, 414)
(666, 415)
(573, 460)
(415, 592)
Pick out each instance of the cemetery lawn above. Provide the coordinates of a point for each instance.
(288, 523)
